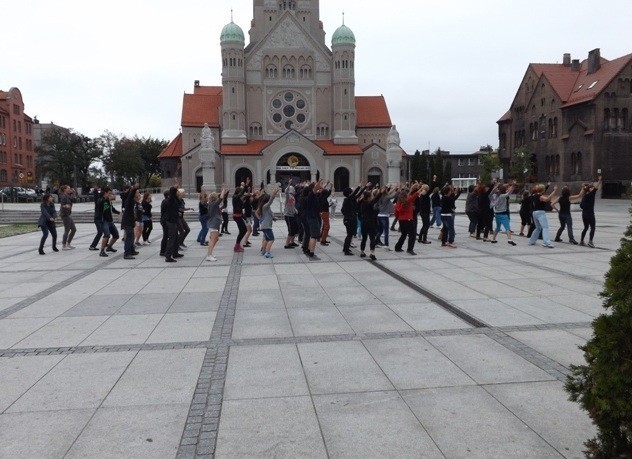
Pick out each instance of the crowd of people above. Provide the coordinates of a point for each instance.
(308, 208)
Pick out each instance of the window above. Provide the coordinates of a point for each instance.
(557, 165)
(16, 109)
(271, 71)
(624, 120)
(606, 119)
(289, 72)
(256, 130)
(555, 127)
(305, 72)
(460, 162)
(3, 176)
(470, 161)
(592, 85)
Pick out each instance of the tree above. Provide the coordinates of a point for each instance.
(424, 169)
(447, 171)
(66, 156)
(521, 164)
(437, 166)
(491, 164)
(131, 159)
(603, 386)
(415, 166)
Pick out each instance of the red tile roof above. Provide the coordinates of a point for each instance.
(331, 148)
(252, 148)
(372, 112)
(567, 82)
(198, 109)
(208, 90)
(505, 117)
(174, 149)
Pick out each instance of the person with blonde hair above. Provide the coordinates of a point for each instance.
(540, 200)
(266, 219)
(214, 220)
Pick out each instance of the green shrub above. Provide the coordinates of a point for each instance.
(603, 386)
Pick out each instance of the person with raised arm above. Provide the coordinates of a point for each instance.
(540, 200)
(214, 220)
(587, 205)
(349, 212)
(501, 211)
(564, 212)
(266, 218)
(405, 213)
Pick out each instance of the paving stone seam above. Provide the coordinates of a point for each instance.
(201, 427)
(50, 290)
(59, 350)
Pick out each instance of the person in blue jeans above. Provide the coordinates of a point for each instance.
(435, 199)
(203, 210)
(539, 200)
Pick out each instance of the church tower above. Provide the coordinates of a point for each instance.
(343, 86)
(233, 84)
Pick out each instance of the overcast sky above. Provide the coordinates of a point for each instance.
(448, 69)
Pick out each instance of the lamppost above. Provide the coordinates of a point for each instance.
(188, 157)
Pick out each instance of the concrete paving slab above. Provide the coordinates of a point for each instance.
(497, 313)
(196, 302)
(427, 316)
(545, 408)
(44, 434)
(373, 319)
(18, 374)
(486, 361)
(261, 323)
(374, 424)
(123, 329)
(276, 427)
(98, 305)
(413, 363)
(80, 381)
(348, 296)
(318, 321)
(264, 299)
(485, 427)
(182, 327)
(264, 371)
(341, 367)
(14, 330)
(148, 303)
(309, 297)
(546, 310)
(62, 332)
(132, 432)
(158, 378)
(558, 345)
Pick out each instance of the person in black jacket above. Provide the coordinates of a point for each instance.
(350, 214)
(369, 208)
(108, 226)
(171, 215)
(129, 222)
(98, 217)
(323, 204)
(424, 207)
(148, 225)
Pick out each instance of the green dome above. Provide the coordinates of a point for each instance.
(232, 32)
(343, 36)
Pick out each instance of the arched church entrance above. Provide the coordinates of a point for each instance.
(241, 175)
(341, 178)
(292, 166)
(375, 175)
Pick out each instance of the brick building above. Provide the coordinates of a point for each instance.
(574, 119)
(286, 107)
(17, 151)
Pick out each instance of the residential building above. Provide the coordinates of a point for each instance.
(286, 108)
(17, 152)
(574, 120)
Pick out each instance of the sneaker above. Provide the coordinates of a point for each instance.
(103, 254)
(426, 242)
(55, 249)
(137, 244)
(129, 257)
(493, 241)
(411, 252)
(183, 245)
(372, 257)
(573, 241)
(294, 244)
(387, 248)
(268, 255)
(110, 249)
(348, 252)
(162, 254)
(71, 247)
(247, 244)
(41, 252)
(92, 248)
(288, 246)
(147, 241)
(135, 252)
(170, 260)
(211, 258)
(66, 248)
(548, 246)
(557, 239)
(398, 250)
(511, 243)
(314, 258)
(591, 245)
(452, 245)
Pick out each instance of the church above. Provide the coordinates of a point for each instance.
(286, 109)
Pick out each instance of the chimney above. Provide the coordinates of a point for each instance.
(575, 65)
(196, 83)
(594, 61)
(567, 59)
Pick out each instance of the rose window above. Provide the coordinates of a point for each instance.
(289, 110)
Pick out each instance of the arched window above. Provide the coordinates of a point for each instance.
(578, 163)
(573, 163)
(555, 127)
(3, 176)
(374, 175)
(289, 72)
(341, 178)
(606, 119)
(617, 120)
(305, 72)
(241, 175)
(550, 128)
(271, 71)
(256, 130)
(624, 120)
(557, 164)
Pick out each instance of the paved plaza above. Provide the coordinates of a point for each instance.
(450, 353)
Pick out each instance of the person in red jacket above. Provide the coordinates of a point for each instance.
(405, 213)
